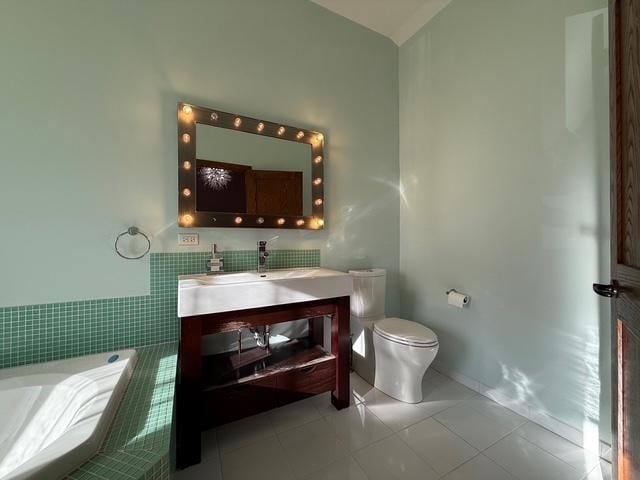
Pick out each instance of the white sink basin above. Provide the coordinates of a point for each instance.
(202, 294)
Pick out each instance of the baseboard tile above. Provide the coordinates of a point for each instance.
(554, 425)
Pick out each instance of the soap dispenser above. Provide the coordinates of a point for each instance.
(216, 264)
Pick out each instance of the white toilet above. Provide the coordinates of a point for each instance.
(390, 353)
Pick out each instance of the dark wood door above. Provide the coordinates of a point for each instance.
(625, 243)
(276, 192)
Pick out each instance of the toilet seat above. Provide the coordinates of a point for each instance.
(406, 332)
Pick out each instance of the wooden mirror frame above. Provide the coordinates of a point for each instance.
(188, 217)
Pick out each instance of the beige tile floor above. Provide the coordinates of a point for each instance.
(454, 434)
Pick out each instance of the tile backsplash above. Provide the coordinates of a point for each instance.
(39, 333)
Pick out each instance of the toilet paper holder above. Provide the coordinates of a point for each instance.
(467, 298)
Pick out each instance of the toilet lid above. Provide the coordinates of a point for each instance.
(406, 332)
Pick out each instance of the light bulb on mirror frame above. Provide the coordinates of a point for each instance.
(281, 131)
(214, 116)
(317, 181)
(281, 221)
(316, 223)
(186, 165)
(238, 220)
(237, 122)
(300, 222)
(300, 135)
(318, 159)
(260, 220)
(260, 127)
(187, 110)
(187, 220)
(186, 192)
(318, 202)
(186, 138)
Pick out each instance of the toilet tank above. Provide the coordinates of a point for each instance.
(369, 286)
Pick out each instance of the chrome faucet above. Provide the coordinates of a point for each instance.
(216, 263)
(263, 257)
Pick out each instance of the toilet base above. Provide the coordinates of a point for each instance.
(401, 368)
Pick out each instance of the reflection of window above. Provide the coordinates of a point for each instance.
(215, 178)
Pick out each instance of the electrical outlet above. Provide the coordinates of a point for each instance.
(188, 239)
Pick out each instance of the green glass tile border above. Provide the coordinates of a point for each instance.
(123, 465)
(145, 414)
(40, 333)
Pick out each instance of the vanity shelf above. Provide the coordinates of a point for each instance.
(218, 371)
(293, 371)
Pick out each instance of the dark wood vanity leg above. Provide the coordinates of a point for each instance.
(189, 395)
(316, 330)
(340, 346)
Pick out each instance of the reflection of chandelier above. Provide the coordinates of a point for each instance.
(216, 178)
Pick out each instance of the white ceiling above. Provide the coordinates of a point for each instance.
(396, 19)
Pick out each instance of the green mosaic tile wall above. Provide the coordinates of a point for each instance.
(39, 333)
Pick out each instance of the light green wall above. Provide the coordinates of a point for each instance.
(88, 130)
(503, 167)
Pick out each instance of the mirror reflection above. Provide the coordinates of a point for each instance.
(239, 172)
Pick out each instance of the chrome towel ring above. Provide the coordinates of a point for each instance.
(133, 231)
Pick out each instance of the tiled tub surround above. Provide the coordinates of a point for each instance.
(39, 333)
(138, 444)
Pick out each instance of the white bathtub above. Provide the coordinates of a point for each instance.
(54, 416)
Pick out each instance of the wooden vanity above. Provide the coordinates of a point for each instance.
(212, 392)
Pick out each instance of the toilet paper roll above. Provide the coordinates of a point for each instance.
(456, 299)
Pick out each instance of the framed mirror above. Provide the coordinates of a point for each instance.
(237, 171)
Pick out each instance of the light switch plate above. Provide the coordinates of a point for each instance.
(188, 239)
